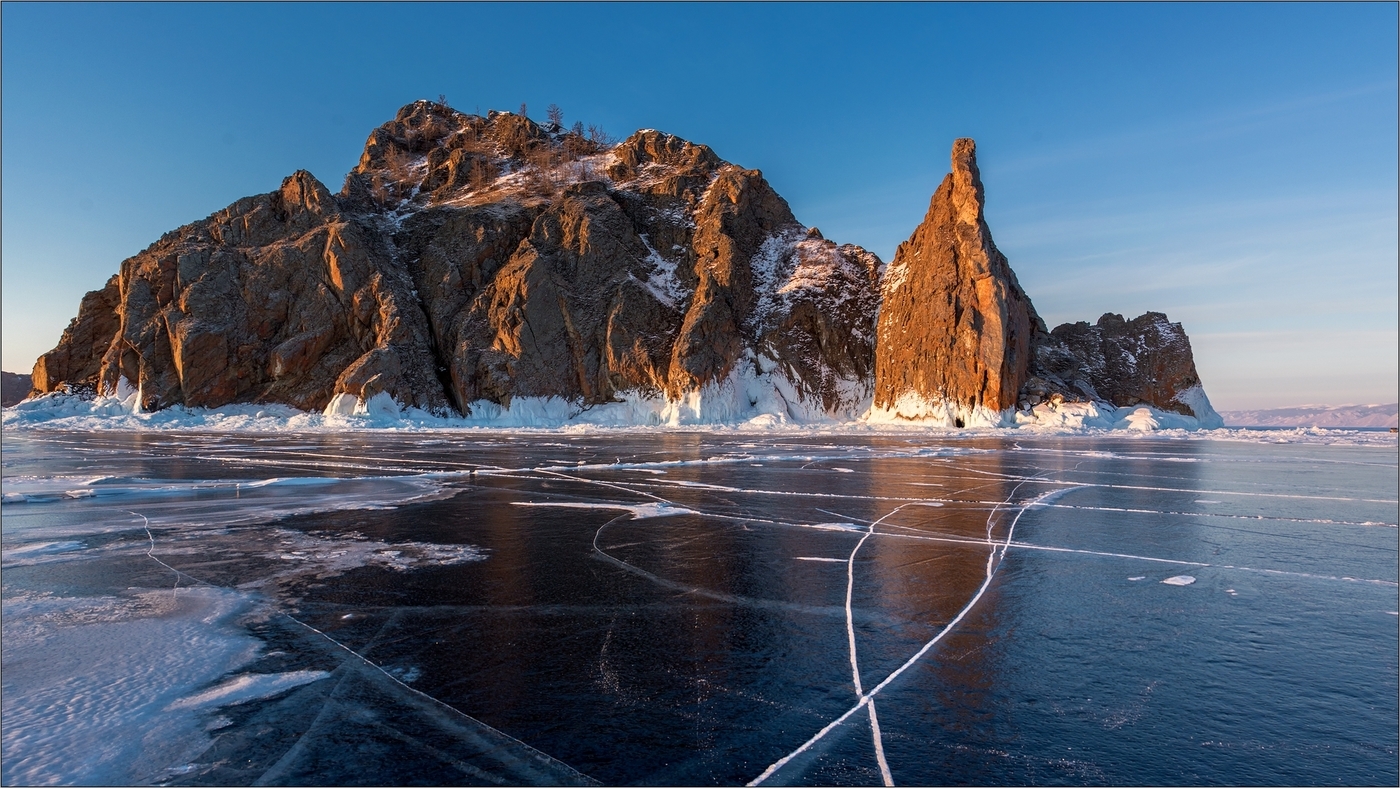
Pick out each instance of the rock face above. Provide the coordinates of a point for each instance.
(471, 265)
(472, 260)
(955, 328)
(277, 298)
(1143, 361)
(959, 342)
(14, 387)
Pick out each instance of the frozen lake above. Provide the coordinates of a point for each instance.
(697, 608)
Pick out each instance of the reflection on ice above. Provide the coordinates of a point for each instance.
(688, 608)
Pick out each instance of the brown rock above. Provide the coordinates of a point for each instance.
(955, 327)
(78, 357)
(473, 258)
(1143, 361)
(250, 305)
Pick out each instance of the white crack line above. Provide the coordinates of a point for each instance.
(855, 667)
(868, 697)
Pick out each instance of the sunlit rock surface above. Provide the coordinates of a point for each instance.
(492, 266)
(477, 260)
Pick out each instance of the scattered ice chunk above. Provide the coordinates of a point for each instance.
(342, 404)
(837, 526)
(817, 558)
(248, 686)
(1179, 580)
(756, 397)
(39, 548)
(1139, 577)
(1139, 420)
(640, 511)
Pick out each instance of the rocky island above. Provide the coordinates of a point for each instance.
(488, 266)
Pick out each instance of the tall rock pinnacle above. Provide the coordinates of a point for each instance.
(955, 328)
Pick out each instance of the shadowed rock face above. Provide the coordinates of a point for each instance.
(1143, 361)
(471, 258)
(955, 327)
(14, 387)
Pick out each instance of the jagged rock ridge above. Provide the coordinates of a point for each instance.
(1143, 361)
(471, 260)
(960, 343)
(471, 264)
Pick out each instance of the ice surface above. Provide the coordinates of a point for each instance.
(756, 397)
(688, 607)
(91, 703)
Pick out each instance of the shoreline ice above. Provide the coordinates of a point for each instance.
(555, 416)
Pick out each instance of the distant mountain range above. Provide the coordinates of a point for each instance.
(1314, 416)
(13, 387)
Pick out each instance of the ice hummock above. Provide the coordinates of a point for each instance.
(755, 397)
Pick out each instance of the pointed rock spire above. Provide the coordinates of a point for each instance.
(955, 327)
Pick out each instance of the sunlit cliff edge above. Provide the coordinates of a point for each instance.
(496, 270)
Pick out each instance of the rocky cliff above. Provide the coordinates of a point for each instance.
(481, 265)
(471, 261)
(955, 329)
(1143, 361)
(960, 344)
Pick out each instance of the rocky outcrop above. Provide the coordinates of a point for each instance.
(955, 328)
(470, 260)
(277, 298)
(14, 387)
(77, 360)
(1143, 361)
(960, 344)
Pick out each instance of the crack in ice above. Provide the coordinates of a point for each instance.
(868, 697)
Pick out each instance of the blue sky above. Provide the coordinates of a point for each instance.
(1231, 165)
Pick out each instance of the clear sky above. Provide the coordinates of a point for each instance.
(1231, 165)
